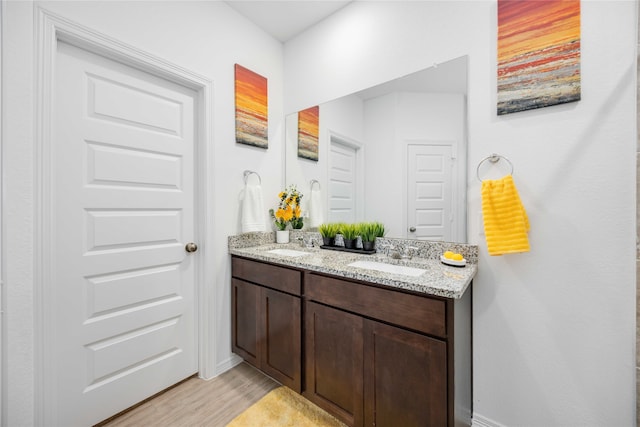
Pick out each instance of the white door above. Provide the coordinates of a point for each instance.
(430, 207)
(342, 182)
(123, 202)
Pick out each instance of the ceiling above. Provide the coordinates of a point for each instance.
(288, 18)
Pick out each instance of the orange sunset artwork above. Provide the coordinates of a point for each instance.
(538, 54)
(308, 121)
(251, 108)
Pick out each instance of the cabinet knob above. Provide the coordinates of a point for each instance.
(191, 247)
(412, 229)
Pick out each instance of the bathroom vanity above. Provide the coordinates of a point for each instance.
(371, 347)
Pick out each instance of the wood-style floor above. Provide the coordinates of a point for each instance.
(196, 402)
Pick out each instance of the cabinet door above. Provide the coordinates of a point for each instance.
(245, 300)
(405, 378)
(333, 355)
(281, 349)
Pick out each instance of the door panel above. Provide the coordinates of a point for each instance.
(130, 228)
(110, 165)
(109, 292)
(118, 102)
(123, 202)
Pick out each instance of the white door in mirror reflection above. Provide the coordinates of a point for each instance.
(343, 182)
(430, 207)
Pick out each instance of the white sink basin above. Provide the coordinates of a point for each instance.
(288, 252)
(388, 268)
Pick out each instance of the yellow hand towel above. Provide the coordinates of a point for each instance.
(505, 220)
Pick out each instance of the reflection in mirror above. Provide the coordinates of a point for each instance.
(394, 153)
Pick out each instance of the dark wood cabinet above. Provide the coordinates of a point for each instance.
(334, 361)
(266, 319)
(369, 373)
(395, 354)
(373, 355)
(246, 321)
(281, 349)
(405, 377)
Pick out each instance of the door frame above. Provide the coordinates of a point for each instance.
(336, 138)
(3, 420)
(459, 197)
(51, 29)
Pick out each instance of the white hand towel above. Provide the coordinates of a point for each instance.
(253, 209)
(315, 208)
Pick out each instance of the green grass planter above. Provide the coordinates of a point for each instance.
(368, 232)
(328, 231)
(350, 233)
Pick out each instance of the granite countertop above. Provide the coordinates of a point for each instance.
(438, 279)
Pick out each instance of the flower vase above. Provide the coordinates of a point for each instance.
(282, 236)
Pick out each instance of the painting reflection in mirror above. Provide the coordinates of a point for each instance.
(308, 125)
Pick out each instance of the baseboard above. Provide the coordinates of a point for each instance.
(226, 364)
(480, 421)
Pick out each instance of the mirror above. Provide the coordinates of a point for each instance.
(394, 153)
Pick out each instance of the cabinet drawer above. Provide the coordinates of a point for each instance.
(422, 314)
(269, 275)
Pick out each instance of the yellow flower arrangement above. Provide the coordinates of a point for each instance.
(288, 210)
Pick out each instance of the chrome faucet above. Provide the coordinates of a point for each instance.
(401, 252)
(409, 251)
(306, 242)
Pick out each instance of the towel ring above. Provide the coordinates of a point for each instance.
(315, 181)
(248, 172)
(494, 158)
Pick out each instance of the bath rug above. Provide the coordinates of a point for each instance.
(283, 407)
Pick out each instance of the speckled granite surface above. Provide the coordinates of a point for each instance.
(438, 279)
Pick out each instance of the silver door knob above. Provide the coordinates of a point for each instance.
(191, 247)
(412, 229)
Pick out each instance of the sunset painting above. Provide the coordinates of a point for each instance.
(251, 108)
(308, 121)
(538, 54)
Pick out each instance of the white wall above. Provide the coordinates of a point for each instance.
(554, 329)
(383, 191)
(205, 37)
